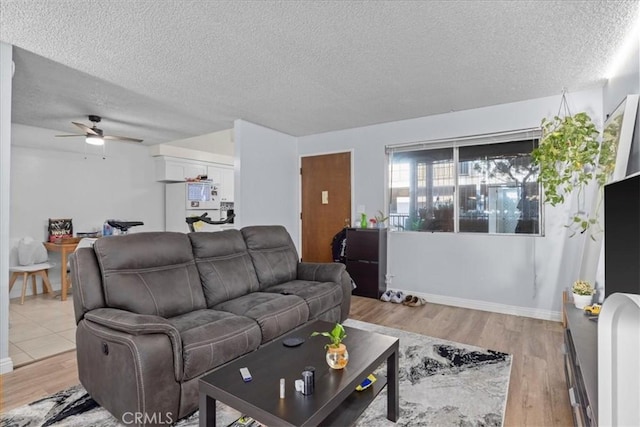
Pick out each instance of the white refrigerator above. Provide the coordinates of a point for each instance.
(187, 199)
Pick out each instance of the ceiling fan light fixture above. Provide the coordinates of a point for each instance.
(94, 140)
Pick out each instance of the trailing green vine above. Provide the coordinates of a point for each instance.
(570, 157)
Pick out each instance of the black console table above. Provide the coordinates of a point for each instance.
(366, 253)
(581, 365)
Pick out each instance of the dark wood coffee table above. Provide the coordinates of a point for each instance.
(334, 401)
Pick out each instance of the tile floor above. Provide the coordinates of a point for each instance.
(42, 327)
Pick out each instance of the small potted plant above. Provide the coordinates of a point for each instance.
(381, 219)
(582, 293)
(337, 356)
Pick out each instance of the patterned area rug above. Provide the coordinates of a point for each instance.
(442, 383)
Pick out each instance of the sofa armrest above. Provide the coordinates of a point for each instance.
(140, 324)
(329, 272)
(320, 271)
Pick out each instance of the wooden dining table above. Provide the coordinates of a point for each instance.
(64, 249)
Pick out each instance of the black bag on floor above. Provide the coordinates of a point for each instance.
(338, 246)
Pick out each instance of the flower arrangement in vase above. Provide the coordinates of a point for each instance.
(337, 356)
(381, 219)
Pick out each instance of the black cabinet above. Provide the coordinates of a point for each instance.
(581, 365)
(366, 253)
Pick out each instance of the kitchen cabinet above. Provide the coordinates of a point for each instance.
(226, 185)
(214, 173)
(222, 175)
(366, 259)
(177, 170)
(170, 169)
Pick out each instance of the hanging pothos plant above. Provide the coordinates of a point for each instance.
(569, 157)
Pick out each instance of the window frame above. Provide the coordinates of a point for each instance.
(533, 134)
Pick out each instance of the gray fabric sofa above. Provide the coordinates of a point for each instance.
(156, 311)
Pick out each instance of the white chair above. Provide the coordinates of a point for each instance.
(32, 260)
(32, 271)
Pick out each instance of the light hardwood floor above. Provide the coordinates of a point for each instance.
(537, 390)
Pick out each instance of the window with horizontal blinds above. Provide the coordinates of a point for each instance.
(482, 184)
(491, 138)
(505, 149)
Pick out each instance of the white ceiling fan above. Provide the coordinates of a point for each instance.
(95, 136)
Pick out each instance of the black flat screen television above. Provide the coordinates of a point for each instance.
(622, 236)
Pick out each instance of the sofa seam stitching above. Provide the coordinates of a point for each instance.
(170, 326)
(134, 352)
(77, 270)
(281, 311)
(155, 303)
(211, 343)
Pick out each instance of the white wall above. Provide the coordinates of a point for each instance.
(521, 274)
(54, 178)
(266, 177)
(220, 142)
(626, 81)
(6, 54)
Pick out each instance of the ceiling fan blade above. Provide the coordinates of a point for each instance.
(85, 128)
(68, 135)
(122, 138)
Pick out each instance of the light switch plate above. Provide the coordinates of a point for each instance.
(325, 197)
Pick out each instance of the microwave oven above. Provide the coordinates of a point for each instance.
(202, 195)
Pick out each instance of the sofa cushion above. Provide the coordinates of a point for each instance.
(319, 296)
(211, 338)
(225, 267)
(273, 253)
(275, 313)
(150, 273)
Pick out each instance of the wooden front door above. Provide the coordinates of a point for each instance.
(326, 203)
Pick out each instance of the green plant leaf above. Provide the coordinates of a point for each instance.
(336, 335)
(569, 157)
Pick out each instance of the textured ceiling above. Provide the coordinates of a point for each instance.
(166, 70)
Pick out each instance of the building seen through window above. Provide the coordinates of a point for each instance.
(496, 187)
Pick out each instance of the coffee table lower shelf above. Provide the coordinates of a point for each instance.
(353, 406)
(349, 410)
(335, 401)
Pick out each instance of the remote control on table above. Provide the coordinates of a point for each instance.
(246, 375)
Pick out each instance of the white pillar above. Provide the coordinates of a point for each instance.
(618, 355)
(6, 74)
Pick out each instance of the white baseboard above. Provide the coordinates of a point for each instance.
(489, 306)
(6, 365)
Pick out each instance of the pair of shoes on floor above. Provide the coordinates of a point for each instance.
(414, 301)
(386, 297)
(393, 296)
